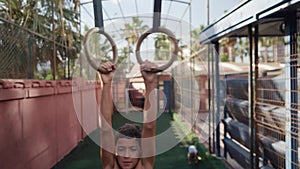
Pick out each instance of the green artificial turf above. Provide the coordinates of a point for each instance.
(86, 154)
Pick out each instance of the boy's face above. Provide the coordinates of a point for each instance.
(128, 151)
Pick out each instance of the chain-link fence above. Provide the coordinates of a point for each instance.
(38, 39)
(28, 55)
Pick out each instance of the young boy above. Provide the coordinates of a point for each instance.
(132, 148)
(193, 154)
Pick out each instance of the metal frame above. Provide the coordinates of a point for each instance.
(251, 96)
(244, 14)
(291, 94)
(254, 12)
(217, 96)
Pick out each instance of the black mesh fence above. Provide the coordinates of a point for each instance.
(25, 54)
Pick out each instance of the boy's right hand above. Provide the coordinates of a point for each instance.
(110, 68)
(146, 70)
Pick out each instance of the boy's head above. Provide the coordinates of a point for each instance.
(128, 146)
(129, 131)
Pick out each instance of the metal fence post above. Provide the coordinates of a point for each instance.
(291, 102)
(217, 97)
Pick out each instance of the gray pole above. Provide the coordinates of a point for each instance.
(54, 44)
(251, 97)
(217, 96)
(209, 87)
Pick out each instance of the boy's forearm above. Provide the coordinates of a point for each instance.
(107, 135)
(106, 111)
(151, 86)
(150, 109)
(149, 126)
(106, 106)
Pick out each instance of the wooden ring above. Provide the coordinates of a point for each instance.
(174, 52)
(88, 53)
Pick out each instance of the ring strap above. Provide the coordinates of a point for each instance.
(98, 13)
(156, 14)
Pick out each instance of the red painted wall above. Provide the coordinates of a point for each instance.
(39, 122)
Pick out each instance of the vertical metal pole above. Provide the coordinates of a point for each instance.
(294, 89)
(191, 98)
(54, 44)
(80, 58)
(158, 95)
(194, 114)
(208, 84)
(217, 90)
(256, 60)
(127, 90)
(209, 99)
(288, 153)
(98, 13)
(291, 92)
(207, 11)
(250, 98)
(224, 117)
(172, 93)
(30, 72)
(64, 61)
(69, 66)
(213, 101)
(126, 99)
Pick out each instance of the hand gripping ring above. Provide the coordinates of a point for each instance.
(88, 53)
(174, 52)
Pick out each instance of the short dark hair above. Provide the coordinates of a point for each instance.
(129, 131)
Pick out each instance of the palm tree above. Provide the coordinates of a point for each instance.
(279, 41)
(228, 44)
(162, 47)
(133, 30)
(196, 47)
(242, 47)
(67, 29)
(35, 15)
(265, 42)
(132, 33)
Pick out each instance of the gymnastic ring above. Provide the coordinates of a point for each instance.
(174, 52)
(88, 53)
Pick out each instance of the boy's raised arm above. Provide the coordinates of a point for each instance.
(150, 110)
(106, 108)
